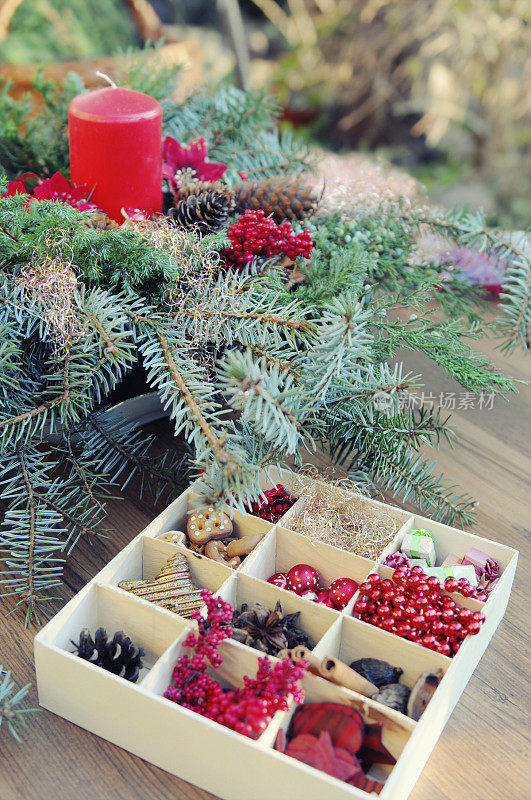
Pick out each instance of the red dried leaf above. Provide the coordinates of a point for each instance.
(373, 751)
(343, 723)
(320, 753)
(280, 741)
(361, 781)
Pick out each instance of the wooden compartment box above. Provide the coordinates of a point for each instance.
(138, 718)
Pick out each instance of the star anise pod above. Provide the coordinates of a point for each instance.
(266, 630)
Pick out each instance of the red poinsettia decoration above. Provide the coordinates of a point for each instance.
(55, 188)
(58, 188)
(177, 157)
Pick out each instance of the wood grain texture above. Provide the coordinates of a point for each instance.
(482, 751)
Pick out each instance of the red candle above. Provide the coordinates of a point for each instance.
(116, 149)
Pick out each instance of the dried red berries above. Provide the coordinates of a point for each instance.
(255, 235)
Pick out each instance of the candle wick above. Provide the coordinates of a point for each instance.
(106, 78)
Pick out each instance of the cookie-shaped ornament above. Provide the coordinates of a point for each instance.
(208, 525)
(175, 537)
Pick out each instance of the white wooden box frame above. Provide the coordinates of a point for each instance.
(138, 718)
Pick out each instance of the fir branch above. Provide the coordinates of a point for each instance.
(30, 597)
(10, 713)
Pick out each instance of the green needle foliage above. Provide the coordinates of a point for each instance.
(253, 369)
(11, 715)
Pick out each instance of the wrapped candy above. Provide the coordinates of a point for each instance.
(451, 561)
(419, 544)
(458, 572)
(486, 568)
(397, 559)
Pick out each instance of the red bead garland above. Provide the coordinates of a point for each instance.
(409, 607)
(247, 710)
(254, 234)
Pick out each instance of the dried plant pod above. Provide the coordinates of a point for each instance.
(422, 692)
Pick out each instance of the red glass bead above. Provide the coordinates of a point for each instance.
(383, 611)
(365, 587)
(444, 648)
(433, 581)
(279, 579)
(422, 603)
(341, 591)
(467, 591)
(388, 622)
(449, 602)
(322, 594)
(413, 581)
(375, 619)
(423, 587)
(399, 578)
(301, 577)
(360, 606)
(454, 629)
(451, 584)
(386, 584)
(482, 597)
(373, 578)
(390, 594)
(477, 616)
(447, 614)
(429, 640)
(410, 611)
(465, 615)
(437, 627)
(399, 599)
(420, 622)
(473, 627)
(397, 613)
(375, 594)
(417, 570)
(403, 629)
(430, 614)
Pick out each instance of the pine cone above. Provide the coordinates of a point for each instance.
(282, 198)
(207, 211)
(100, 221)
(118, 656)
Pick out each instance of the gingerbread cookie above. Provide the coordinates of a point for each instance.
(205, 526)
(175, 537)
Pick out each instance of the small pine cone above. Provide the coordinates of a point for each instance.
(207, 212)
(100, 221)
(195, 188)
(281, 198)
(118, 656)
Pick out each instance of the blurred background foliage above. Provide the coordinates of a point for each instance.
(440, 87)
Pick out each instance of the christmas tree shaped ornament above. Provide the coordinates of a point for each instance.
(118, 656)
(206, 212)
(283, 198)
(172, 588)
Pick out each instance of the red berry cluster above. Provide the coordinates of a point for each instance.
(277, 502)
(411, 605)
(247, 710)
(254, 234)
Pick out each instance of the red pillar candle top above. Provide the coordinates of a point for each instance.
(116, 149)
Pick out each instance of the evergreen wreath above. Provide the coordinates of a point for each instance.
(261, 351)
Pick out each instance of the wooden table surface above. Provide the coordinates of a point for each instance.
(481, 753)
